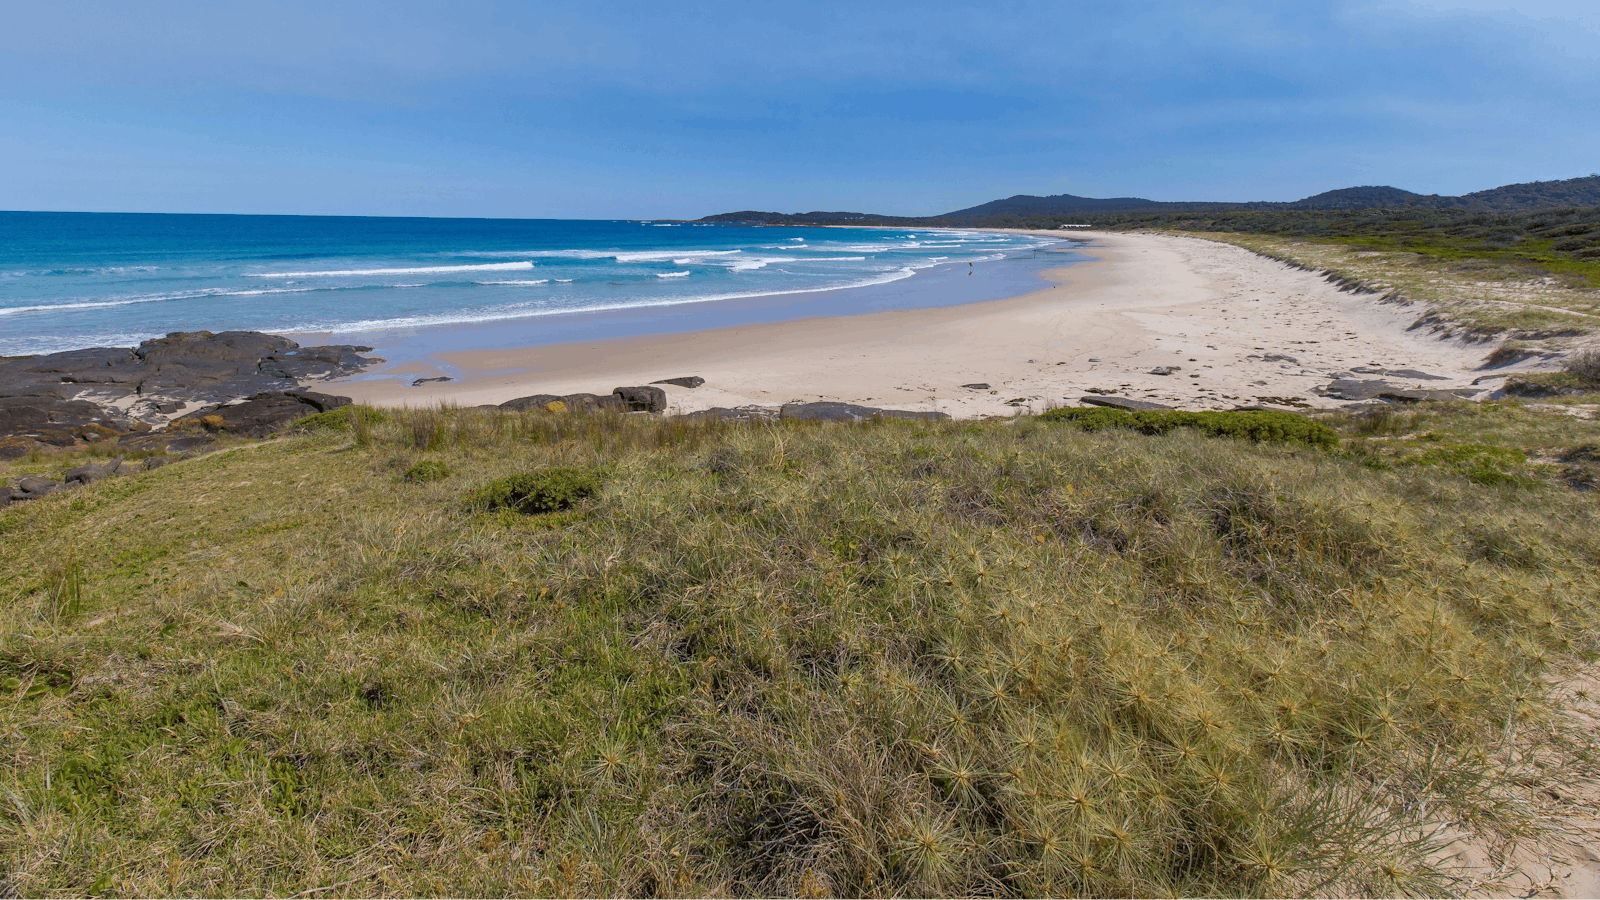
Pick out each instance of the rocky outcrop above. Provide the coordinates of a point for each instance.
(1377, 389)
(740, 414)
(624, 399)
(262, 414)
(33, 487)
(1121, 402)
(828, 411)
(104, 393)
(1354, 389)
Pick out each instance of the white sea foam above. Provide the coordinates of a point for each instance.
(524, 311)
(416, 270)
(563, 281)
(95, 304)
(751, 263)
(663, 255)
(184, 295)
(534, 281)
(671, 274)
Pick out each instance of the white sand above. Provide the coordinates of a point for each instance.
(1146, 300)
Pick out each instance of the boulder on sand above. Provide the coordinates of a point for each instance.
(829, 411)
(1410, 395)
(745, 414)
(644, 398)
(535, 402)
(1355, 389)
(688, 381)
(1122, 403)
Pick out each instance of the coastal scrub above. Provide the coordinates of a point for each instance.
(900, 657)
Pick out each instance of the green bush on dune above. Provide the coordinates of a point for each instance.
(340, 419)
(545, 491)
(1260, 426)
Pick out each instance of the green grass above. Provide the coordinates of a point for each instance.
(896, 658)
(1559, 242)
(1253, 425)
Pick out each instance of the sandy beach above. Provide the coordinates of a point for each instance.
(1240, 329)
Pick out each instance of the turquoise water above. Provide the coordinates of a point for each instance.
(70, 280)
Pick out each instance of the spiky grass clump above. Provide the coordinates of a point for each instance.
(427, 470)
(545, 491)
(1585, 365)
(898, 658)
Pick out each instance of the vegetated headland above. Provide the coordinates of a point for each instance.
(1552, 225)
(562, 647)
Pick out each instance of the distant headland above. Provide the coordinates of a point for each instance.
(1533, 195)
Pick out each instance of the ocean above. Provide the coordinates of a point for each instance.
(72, 280)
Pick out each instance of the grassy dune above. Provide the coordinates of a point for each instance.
(1017, 657)
(1482, 298)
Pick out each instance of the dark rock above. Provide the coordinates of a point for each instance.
(1165, 370)
(688, 381)
(156, 462)
(644, 398)
(318, 401)
(7, 495)
(91, 473)
(1412, 374)
(304, 363)
(523, 404)
(418, 381)
(264, 413)
(17, 447)
(1122, 403)
(33, 486)
(976, 386)
(1411, 395)
(1351, 389)
(828, 411)
(1279, 357)
(590, 402)
(27, 415)
(747, 414)
(40, 395)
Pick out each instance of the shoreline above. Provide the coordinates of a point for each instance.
(1214, 311)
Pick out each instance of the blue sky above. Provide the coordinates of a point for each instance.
(629, 110)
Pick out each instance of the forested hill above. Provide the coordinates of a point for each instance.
(1535, 195)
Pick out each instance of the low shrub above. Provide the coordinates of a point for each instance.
(340, 419)
(428, 470)
(1260, 426)
(545, 491)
